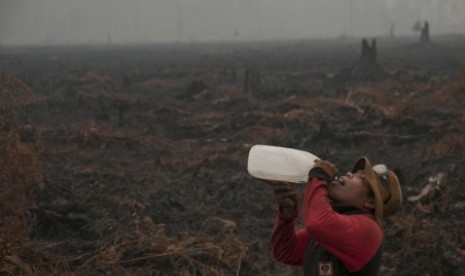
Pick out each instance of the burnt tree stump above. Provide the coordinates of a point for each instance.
(369, 54)
(425, 40)
(122, 108)
(366, 70)
(368, 67)
(252, 80)
(424, 35)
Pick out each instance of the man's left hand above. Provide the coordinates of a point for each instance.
(286, 196)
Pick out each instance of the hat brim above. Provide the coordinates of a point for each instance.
(372, 179)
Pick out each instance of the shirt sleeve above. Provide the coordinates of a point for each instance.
(353, 239)
(288, 245)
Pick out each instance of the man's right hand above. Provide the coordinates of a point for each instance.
(326, 167)
(286, 196)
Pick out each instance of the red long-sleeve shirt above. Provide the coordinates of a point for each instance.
(353, 239)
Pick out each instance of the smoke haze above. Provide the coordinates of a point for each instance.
(147, 21)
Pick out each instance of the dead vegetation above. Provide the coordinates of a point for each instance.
(147, 249)
(21, 177)
(143, 173)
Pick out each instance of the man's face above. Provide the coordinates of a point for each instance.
(351, 189)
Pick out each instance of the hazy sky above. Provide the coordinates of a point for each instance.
(102, 21)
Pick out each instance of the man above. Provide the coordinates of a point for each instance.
(342, 219)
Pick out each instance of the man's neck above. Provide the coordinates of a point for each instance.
(348, 210)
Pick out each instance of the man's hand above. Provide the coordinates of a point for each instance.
(326, 167)
(286, 196)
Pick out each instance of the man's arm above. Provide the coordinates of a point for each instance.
(354, 239)
(288, 245)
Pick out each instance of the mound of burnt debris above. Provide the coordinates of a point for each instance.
(132, 160)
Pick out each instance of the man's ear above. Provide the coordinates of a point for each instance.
(370, 204)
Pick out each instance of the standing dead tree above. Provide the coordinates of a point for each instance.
(391, 30)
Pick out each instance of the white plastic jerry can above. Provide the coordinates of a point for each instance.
(280, 163)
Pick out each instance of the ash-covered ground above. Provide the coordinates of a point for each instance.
(144, 149)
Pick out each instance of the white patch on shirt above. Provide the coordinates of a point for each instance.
(325, 269)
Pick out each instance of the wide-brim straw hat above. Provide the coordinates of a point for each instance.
(385, 186)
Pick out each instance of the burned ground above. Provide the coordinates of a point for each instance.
(143, 151)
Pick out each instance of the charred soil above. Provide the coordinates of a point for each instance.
(137, 155)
